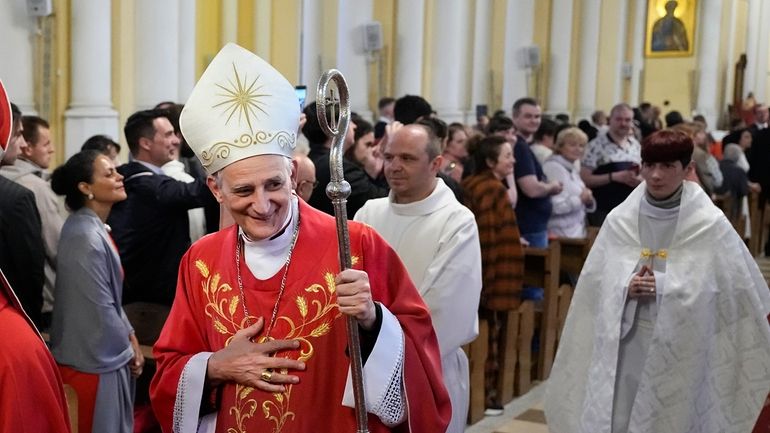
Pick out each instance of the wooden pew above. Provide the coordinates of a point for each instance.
(477, 357)
(541, 269)
(758, 214)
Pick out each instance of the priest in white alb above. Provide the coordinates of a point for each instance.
(667, 331)
(437, 239)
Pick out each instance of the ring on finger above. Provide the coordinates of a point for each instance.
(266, 375)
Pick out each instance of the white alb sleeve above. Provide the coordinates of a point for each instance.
(383, 375)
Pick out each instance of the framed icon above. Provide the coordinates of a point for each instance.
(670, 28)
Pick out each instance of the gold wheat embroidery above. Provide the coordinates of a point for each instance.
(317, 309)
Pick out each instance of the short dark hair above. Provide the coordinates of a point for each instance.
(409, 108)
(140, 125)
(673, 118)
(436, 125)
(668, 145)
(499, 123)
(32, 125)
(547, 128)
(363, 127)
(65, 179)
(485, 149)
(100, 143)
(521, 102)
(312, 129)
(384, 102)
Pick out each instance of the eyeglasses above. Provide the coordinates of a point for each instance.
(313, 182)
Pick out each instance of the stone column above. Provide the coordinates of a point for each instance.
(229, 30)
(187, 29)
(449, 71)
(559, 59)
(157, 52)
(482, 40)
(351, 59)
(262, 19)
(519, 28)
(752, 43)
(17, 52)
(761, 90)
(708, 60)
(621, 50)
(90, 110)
(637, 56)
(311, 41)
(408, 58)
(589, 58)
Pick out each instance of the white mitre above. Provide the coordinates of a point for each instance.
(241, 107)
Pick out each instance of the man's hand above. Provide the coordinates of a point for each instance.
(554, 187)
(252, 364)
(354, 297)
(628, 177)
(642, 284)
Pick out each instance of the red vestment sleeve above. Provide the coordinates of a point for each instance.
(180, 339)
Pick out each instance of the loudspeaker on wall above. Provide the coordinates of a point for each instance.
(39, 8)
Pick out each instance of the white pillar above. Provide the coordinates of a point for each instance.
(449, 71)
(708, 60)
(752, 42)
(761, 90)
(17, 52)
(157, 52)
(621, 50)
(589, 58)
(351, 58)
(637, 55)
(482, 40)
(559, 60)
(229, 30)
(90, 110)
(312, 40)
(262, 19)
(519, 28)
(186, 67)
(410, 25)
(731, 58)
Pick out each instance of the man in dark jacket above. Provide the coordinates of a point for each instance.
(22, 254)
(151, 227)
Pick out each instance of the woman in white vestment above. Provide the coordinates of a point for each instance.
(667, 331)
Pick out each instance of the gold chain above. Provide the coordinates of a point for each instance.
(283, 278)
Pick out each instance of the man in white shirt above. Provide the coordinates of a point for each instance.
(438, 241)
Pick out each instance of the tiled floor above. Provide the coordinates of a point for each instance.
(522, 415)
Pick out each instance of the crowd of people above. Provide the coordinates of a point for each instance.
(226, 226)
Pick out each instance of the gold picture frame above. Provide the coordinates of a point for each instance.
(670, 28)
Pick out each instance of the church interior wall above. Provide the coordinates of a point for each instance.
(273, 29)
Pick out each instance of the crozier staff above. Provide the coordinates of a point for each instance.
(257, 330)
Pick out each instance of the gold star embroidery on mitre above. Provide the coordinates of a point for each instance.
(242, 98)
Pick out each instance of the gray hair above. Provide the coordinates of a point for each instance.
(732, 152)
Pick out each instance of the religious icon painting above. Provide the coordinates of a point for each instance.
(670, 28)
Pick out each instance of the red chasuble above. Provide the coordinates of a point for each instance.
(31, 395)
(208, 311)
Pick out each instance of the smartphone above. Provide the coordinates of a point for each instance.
(481, 111)
(301, 92)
